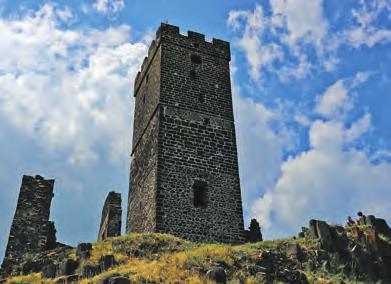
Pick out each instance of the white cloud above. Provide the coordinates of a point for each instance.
(365, 32)
(258, 130)
(68, 89)
(334, 101)
(330, 180)
(303, 20)
(294, 38)
(258, 54)
(267, 40)
(109, 6)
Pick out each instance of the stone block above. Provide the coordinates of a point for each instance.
(49, 271)
(217, 274)
(67, 267)
(106, 262)
(89, 271)
(83, 250)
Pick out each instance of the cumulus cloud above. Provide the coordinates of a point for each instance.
(109, 6)
(68, 89)
(264, 38)
(257, 53)
(259, 130)
(302, 20)
(332, 179)
(334, 101)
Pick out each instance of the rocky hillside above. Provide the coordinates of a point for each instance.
(322, 253)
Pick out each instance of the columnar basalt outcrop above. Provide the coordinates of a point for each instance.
(361, 249)
(31, 231)
(184, 168)
(110, 225)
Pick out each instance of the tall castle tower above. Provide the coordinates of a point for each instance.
(184, 167)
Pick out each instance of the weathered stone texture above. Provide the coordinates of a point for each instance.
(31, 230)
(184, 169)
(110, 225)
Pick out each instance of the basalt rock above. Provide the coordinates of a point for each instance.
(110, 225)
(361, 249)
(217, 274)
(83, 250)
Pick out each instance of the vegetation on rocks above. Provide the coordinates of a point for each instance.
(322, 253)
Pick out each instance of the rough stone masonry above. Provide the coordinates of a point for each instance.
(110, 225)
(184, 167)
(31, 230)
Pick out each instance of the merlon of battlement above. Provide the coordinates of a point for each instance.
(194, 40)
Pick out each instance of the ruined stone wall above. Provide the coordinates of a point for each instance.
(31, 231)
(110, 225)
(191, 181)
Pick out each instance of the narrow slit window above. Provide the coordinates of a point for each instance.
(193, 74)
(200, 194)
(196, 59)
(201, 98)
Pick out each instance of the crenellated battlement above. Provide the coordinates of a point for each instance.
(171, 34)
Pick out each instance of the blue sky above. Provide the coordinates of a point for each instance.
(311, 82)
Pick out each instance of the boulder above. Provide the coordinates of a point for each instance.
(106, 262)
(83, 250)
(217, 274)
(67, 267)
(49, 271)
(119, 280)
(72, 279)
(89, 271)
(294, 251)
(381, 226)
(312, 229)
(326, 239)
(320, 229)
(107, 279)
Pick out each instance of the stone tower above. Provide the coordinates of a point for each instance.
(184, 165)
(31, 230)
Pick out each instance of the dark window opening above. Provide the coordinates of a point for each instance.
(200, 191)
(206, 121)
(201, 98)
(147, 78)
(196, 45)
(144, 98)
(193, 74)
(196, 59)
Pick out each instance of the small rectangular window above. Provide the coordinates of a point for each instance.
(196, 59)
(200, 194)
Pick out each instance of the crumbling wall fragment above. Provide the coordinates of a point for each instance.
(31, 231)
(110, 225)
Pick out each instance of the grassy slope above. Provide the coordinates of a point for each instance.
(167, 259)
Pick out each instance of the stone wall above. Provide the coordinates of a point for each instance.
(184, 169)
(110, 225)
(31, 231)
